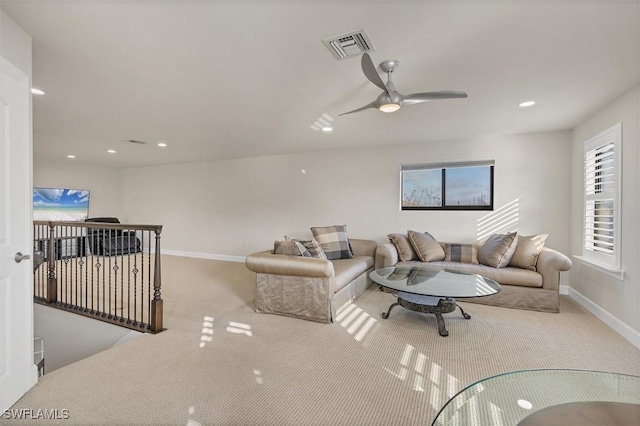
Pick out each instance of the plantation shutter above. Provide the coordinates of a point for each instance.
(599, 185)
(601, 215)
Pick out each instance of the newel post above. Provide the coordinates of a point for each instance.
(156, 303)
(52, 281)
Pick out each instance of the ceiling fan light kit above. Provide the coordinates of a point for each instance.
(389, 107)
(390, 99)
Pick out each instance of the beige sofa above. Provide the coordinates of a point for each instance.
(310, 288)
(521, 288)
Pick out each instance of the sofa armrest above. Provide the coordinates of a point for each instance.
(363, 247)
(550, 264)
(266, 262)
(386, 256)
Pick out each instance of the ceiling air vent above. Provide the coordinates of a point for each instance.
(135, 141)
(354, 43)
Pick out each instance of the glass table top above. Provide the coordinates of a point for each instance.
(432, 281)
(545, 397)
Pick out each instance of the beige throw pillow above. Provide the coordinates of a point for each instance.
(498, 250)
(527, 251)
(426, 247)
(403, 247)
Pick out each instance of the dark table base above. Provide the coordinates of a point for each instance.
(444, 306)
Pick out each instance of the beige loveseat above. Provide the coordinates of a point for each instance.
(310, 288)
(521, 288)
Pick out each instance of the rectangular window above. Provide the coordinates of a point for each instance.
(601, 237)
(447, 186)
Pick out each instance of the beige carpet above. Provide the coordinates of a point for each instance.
(219, 362)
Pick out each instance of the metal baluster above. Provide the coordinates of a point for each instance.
(59, 254)
(52, 283)
(76, 254)
(149, 294)
(111, 232)
(85, 261)
(92, 247)
(63, 264)
(135, 290)
(129, 288)
(142, 285)
(64, 248)
(104, 278)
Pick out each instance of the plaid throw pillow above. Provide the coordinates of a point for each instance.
(290, 248)
(312, 246)
(464, 253)
(334, 241)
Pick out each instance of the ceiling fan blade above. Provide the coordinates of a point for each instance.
(417, 98)
(373, 104)
(370, 72)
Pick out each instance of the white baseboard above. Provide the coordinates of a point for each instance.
(564, 289)
(210, 256)
(618, 326)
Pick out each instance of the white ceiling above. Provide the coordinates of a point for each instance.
(222, 79)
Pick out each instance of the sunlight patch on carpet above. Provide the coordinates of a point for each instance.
(207, 331)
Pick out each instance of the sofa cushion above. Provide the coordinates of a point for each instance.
(527, 251)
(426, 247)
(290, 248)
(313, 247)
(334, 241)
(403, 247)
(346, 270)
(464, 253)
(498, 250)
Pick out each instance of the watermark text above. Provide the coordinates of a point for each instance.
(36, 414)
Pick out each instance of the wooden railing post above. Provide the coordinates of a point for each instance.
(52, 281)
(156, 303)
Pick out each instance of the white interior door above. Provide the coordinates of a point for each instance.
(17, 372)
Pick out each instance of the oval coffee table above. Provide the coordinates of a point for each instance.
(432, 290)
(546, 397)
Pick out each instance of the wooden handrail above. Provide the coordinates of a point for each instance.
(101, 225)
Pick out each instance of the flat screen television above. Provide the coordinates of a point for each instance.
(60, 204)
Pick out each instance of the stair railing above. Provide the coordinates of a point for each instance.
(110, 272)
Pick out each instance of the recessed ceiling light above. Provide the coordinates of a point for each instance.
(327, 129)
(111, 151)
(526, 104)
(71, 156)
(38, 91)
(162, 145)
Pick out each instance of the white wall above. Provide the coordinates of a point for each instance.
(70, 337)
(15, 44)
(615, 300)
(103, 182)
(236, 207)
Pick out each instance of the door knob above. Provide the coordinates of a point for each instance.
(20, 257)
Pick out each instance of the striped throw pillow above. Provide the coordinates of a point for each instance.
(290, 248)
(464, 253)
(313, 247)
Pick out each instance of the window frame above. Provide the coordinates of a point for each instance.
(607, 261)
(443, 166)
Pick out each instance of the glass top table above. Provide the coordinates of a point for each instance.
(432, 290)
(546, 397)
(433, 281)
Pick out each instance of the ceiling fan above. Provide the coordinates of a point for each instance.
(391, 100)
